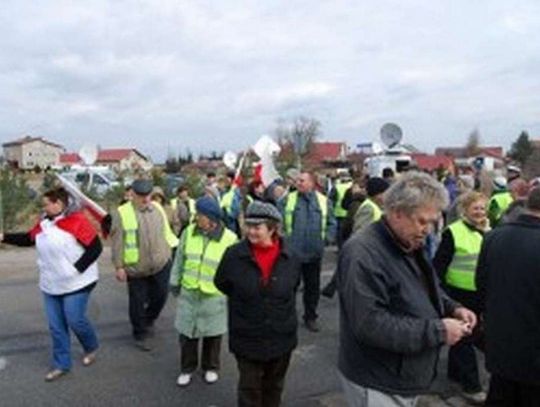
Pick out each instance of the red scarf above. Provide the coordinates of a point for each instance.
(266, 257)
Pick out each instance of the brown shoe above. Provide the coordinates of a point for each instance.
(55, 374)
(89, 358)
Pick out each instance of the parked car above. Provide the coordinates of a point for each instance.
(99, 180)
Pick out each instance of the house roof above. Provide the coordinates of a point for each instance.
(432, 162)
(461, 152)
(70, 158)
(110, 155)
(30, 139)
(327, 151)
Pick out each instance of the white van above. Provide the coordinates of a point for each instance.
(395, 160)
(93, 178)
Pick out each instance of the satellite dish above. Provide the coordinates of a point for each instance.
(229, 159)
(391, 134)
(88, 154)
(377, 148)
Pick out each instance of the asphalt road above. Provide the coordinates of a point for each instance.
(125, 376)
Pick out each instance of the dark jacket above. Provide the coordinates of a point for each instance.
(391, 307)
(262, 318)
(508, 282)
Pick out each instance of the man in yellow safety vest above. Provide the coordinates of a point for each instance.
(142, 243)
(309, 224)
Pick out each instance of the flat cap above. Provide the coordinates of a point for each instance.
(142, 186)
(259, 212)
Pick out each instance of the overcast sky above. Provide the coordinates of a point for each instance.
(206, 75)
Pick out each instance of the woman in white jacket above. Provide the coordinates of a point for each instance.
(68, 248)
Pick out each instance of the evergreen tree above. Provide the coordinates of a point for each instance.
(521, 149)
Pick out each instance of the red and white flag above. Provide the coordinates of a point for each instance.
(83, 202)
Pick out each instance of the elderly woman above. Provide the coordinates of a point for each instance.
(455, 262)
(67, 248)
(202, 311)
(260, 275)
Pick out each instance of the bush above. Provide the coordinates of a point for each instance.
(16, 204)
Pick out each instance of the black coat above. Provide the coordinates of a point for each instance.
(508, 282)
(262, 318)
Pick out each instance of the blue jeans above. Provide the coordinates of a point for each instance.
(66, 312)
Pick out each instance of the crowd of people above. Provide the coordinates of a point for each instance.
(423, 263)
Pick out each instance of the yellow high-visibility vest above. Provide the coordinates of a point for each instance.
(292, 199)
(498, 204)
(462, 270)
(201, 261)
(191, 207)
(226, 200)
(341, 188)
(130, 226)
(377, 212)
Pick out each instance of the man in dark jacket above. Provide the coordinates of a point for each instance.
(508, 282)
(394, 317)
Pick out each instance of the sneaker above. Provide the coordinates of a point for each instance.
(55, 374)
(312, 325)
(183, 379)
(89, 358)
(210, 376)
(478, 397)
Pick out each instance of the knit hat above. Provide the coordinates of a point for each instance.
(259, 212)
(376, 186)
(142, 186)
(209, 207)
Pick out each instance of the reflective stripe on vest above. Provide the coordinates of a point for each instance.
(292, 199)
(377, 212)
(341, 188)
(462, 269)
(201, 260)
(130, 227)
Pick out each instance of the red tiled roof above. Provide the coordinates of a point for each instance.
(70, 158)
(104, 156)
(114, 154)
(432, 162)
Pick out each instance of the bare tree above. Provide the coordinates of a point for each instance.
(300, 133)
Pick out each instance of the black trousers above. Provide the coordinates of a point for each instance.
(261, 383)
(147, 297)
(462, 361)
(509, 393)
(189, 353)
(339, 233)
(311, 277)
